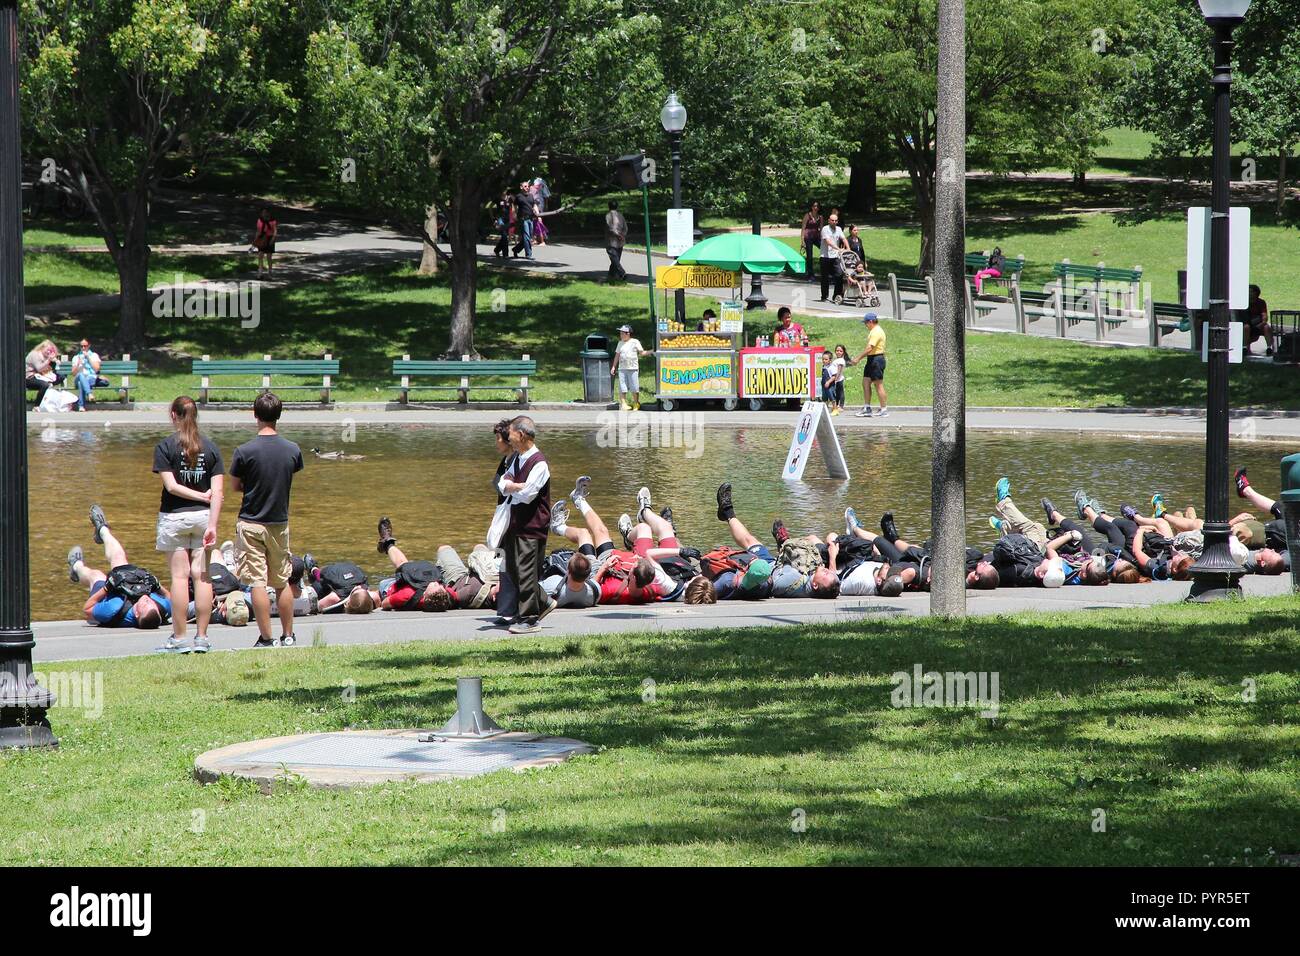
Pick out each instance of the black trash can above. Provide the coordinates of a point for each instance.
(597, 384)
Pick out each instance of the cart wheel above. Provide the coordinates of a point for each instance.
(666, 404)
(730, 403)
(755, 404)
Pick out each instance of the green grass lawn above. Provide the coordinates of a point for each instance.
(49, 276)
(368, 319)
(1139, 714)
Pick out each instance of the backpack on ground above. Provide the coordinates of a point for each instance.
(1017, 552)
(679, 569)
(342, 576)
(223, 580)
(803, 556)
(131, 583)
(721, 560)
(557, 562)
(418, 575)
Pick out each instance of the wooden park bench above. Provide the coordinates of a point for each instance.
(1011, 269)
(208, 368)
(122, 368)
(1112, 295)
(464, 370)
(1166, 317)
(909, 293)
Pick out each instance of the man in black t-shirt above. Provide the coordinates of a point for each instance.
(263, 470)
(524, 221)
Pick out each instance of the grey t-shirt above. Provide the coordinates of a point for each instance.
(565, 597)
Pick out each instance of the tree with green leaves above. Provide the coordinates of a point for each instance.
(114, 88)
(1035, 71)
(449, 102)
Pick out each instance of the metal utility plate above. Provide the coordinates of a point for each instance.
(353, 751)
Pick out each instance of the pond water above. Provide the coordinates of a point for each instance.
(433, 481)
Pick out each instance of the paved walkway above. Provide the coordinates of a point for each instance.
(74, 640)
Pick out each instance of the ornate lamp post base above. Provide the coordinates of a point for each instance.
(1216, 575)
(23, 705)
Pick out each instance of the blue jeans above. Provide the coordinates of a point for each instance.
(525, 239)
(85, 385)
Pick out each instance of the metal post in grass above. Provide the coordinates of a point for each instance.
(948, 406)
(23, 701)
(1216, 574)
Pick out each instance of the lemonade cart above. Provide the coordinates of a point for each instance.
(695, 365)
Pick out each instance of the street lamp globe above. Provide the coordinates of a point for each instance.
(673, 115)
(1224, 9)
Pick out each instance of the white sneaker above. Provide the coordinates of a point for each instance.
(228, 552)
(581, 487)
(850, 522)
(865, 412)
(883, 413)
(625, 529)
(642, 501)
(559, 516)
(202, 645)
(176, 645)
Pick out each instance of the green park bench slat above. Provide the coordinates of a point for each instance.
(205, 368)
(125, 367)
(407, 367)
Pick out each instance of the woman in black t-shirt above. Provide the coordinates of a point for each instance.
(192, 477)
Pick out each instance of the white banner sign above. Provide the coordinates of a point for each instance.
(681, 230)
(1198, 257)
(814, 428)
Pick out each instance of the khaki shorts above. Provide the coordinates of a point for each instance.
(262, 554)
(181, 529)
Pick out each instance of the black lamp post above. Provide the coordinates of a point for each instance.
(23, 702)
(673, 119)
(756, 299)
(1216, 574)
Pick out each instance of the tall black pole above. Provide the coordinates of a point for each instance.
(679, 297)
(948, 404)
(756, 299)
(1216, 574)
(23, 702)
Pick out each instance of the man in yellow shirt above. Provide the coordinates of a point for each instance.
(873, 376)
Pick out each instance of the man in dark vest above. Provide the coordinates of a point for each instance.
(527, 486)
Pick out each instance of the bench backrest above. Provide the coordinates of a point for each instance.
(106, 367)
(1010, 265)
(472, 368)
(1097, 273)
(264, 367)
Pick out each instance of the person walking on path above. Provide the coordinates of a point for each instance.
(615, 238)
(503, 217)
(873, 375)
(524, 218)
(190, 467)
(263, 469)
(264, 239)
(527, 485)
(626, 366)
(811, 235)
(832, 242)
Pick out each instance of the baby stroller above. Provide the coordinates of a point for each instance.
(859, 284)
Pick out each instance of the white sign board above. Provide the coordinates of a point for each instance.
(1198, 257)
(1235, 339)
(681, 230)
(814, 427)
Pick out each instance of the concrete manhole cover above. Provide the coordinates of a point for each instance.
(357, 758)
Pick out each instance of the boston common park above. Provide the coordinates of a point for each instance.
(699, 434)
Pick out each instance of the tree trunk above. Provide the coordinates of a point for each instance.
(463, 226)
(925, 207)
(132, 261)
(1081, 180)
(861, 196)
(429, 257)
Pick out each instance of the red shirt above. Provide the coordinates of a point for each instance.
(623, 590)
(793, 334)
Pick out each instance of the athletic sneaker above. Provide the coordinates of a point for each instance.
(1129, 512)
(1082, 500)
(265, 642)
(202, 645)
(883, 413)
(551, 605)
(888, 528)
(625, 529)
(386, 539)
(725, 510)
(175, 645)
(309, 566)
(228, 553)
(667, 515)
(995, 523)
(287, 640)
(75, 555)
(850, 521)
(865, 412)
(1242, 482)
(1157, 506)
(1048, 509)
(581, 487)
(642, 501)
(98, 522)
(526, 626)
(1004, 488)
(779, 532)
(559, 516)
(836, 410)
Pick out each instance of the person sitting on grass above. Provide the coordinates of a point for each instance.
(125, 596)
(445, 585)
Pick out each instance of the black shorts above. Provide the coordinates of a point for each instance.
(595, 552)
(875, 369)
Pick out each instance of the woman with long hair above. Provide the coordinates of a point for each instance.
(191, 470)
(810, 236)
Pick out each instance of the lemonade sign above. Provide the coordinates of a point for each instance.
(701, 375)
(695, 277)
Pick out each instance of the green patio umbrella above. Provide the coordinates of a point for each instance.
(743, 252)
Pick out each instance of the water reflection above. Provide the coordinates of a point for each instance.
(433, 481)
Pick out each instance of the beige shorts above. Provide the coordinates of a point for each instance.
(262, 554)
(181, 529)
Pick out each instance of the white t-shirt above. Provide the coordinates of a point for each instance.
(627, 353)
(837, 368)
(861, 581)
(831, 239)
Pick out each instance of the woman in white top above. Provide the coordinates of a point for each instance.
(627, 367)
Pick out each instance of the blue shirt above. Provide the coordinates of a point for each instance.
(106, 610)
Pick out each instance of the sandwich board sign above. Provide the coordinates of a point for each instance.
(814, 427)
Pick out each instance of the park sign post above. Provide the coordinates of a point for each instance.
(23, 701)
